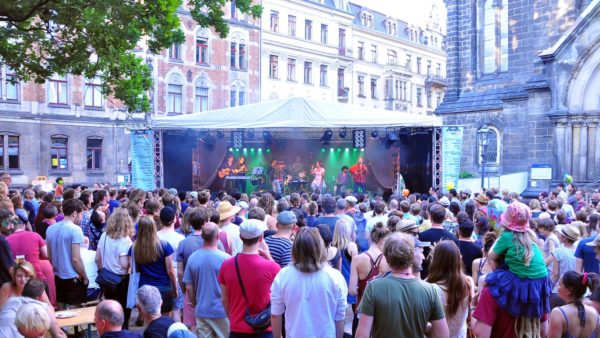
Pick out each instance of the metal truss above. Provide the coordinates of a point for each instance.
(158, 159)
(437, 157)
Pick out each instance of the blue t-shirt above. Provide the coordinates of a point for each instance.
(330, 221)
(113, 204)
(59, 238)
(155, 274)
(587, 253)
(202, 271)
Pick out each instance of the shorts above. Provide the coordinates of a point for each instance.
(70, 291)
(166, 294)
(178, 305)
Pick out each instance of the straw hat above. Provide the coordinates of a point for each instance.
(571, 232)
(227, 210)
(481, 198)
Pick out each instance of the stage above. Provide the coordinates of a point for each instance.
(191, 149)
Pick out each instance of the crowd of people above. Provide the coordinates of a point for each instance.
(434, 264)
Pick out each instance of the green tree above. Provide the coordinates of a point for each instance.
(39, 38)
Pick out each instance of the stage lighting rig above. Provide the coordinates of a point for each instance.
(237, 139)
(358, 138)
(250, 134)
(343, 132)
(267, 137)
(327, 136)
(220, 134)
(392, 135)
(374, 133)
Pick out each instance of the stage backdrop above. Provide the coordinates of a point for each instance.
(189, 164)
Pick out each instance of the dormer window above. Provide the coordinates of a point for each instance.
(391, 26)
(366, 19)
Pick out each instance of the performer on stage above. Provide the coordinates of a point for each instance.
(278, 176)
(227, 168)
(319, 177)
(240, 169)
(359, 173)
(341, 181)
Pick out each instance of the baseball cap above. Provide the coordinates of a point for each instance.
(252, 228)
(286, 218)
(194, 194)
(243, 204)
(172, 191)
(351, 199)
(167, 215)
(445, 201)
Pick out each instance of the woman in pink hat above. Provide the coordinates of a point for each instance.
(523, 290)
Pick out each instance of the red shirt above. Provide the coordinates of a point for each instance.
(257, 274)
(28, 243)
(502, 323)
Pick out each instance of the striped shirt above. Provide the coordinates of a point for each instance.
(280, 249)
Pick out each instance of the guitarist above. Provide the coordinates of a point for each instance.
(359, 173)
(218, 183)
(229, 164)
(240, 169)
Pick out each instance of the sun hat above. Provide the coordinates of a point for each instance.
(571, 232)
(406, 225)
(516, 218)
(481, 198)
(286, 218)
(252, 228)
(227, 210)
(445, 201)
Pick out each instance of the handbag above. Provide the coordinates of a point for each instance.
(107, 279)
(134, 282)
(260, 321)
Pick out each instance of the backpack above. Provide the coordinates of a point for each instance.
(361, 225)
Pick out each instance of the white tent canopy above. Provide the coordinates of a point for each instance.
(294, 113)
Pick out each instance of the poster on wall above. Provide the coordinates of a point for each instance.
(452, 139)
(142, 160)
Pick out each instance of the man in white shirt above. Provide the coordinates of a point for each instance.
(227, 214)
(167, 233)
(91, 269)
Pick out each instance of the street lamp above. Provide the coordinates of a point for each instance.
(483, 138)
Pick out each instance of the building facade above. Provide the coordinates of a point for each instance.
(499, 78)
(341, 51)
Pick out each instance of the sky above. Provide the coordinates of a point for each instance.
(413, 11)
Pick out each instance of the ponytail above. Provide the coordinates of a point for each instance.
(577, 283)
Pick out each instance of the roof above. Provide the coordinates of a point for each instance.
(331, 4)
(481, 100)
(294, 113)
(378, 19)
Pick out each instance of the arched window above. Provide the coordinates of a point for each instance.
(175, 94)
(492, 151)
(201, 95)
(237, 94)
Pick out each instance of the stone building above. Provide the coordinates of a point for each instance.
(510, 66)
(340, 51)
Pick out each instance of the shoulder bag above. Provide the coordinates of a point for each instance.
(260, 321)
(107, 279)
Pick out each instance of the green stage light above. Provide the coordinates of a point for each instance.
(245, 149)
(252, 149)
(268, 150)
(259, 150)
(347, 150)
(339, 149)
(362, 149)
(322, 150)
(331, 149)
(230, 149)
(354, 150)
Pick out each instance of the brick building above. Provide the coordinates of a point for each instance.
(498, 77)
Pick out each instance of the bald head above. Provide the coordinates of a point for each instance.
(110, 311)
(210, 232)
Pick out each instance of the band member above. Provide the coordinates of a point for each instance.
(297, 168)
(359, 173)
(341, 181)
(219, 181)
(227, 167)
(278, 176)
(240, 169)
(319, 177)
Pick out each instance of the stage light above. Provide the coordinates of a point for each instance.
(354, 150)
(268, 150)
(393, 135)
(347, 150)
(331, 150)
(251, 149)
(237, 139)
(343, 132)
(327, 136)
(245, 149)
(374, 133)
(220, 134)
(209, 141)
(363, 150)
(260, 150)
(322, 150)
(250, 134)
(339, 149)
(358, 138)
(230, 149)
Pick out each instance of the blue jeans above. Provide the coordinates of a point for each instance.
(360, 186)
(251, 335)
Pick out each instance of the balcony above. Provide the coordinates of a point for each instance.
(395, 104)
(437, 81)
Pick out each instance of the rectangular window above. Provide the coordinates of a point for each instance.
(418, 65)
(175, 99)
(340, 82)
(342, 41)
(323, 75)
(428, 68)
(94, 153)
(273, 63)
(59, 151)
(9, 86)
(242, 56)
(202, 51)
(361, 50)
(11, 147)
(361, 86)
(373, 88)
(409, 62)
(291, 70)
(232, 95)
(429, 98)
(373, 53)
(58, 90)
(93, 93)
(175, 51)
(241, 97)
(392, 57)
(274, 21)
(419, 98)
(233, 10)
(232, 54)
(308, 72)
(201, 100)
(438, 69)
(324, 32)
(292, 25)
(308, 29)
